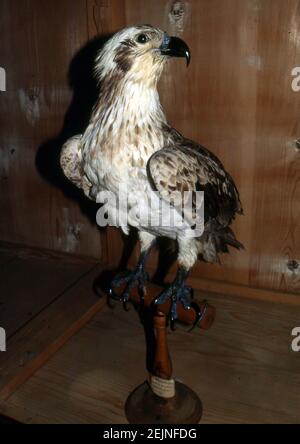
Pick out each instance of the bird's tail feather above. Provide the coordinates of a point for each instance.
(229, 238)
(216, 240)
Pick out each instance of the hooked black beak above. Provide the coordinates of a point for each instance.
(175, 47)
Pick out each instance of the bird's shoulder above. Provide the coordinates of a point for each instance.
(70, 157)
(71, 163)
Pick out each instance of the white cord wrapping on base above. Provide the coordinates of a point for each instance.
(165, 388)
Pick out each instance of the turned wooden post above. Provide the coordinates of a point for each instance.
(163, 400)
(162, 366)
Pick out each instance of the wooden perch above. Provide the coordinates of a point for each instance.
(188, 317)
(162, 399)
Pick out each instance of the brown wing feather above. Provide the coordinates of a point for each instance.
(186, 166)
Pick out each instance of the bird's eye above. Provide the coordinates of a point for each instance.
(142, 38)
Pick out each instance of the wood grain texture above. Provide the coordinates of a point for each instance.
(46, 101)
(236, 99)
(33, 344)
(277, 168)
(27, 286)
(162, 366)
(243, 368)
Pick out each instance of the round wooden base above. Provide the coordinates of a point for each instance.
(144, 407)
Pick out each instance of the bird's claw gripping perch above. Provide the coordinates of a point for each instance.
(177, 292)
(137, 278)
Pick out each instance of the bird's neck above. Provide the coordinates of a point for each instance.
(130, 104)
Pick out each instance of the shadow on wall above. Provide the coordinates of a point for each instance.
(86, 90)
(85, 93)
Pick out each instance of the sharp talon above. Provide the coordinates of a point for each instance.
(199, 314)
(186, 306)
(177, 292)
(173, 309)
(142, 300)
(142, 303)
(158, 301)
(172, 324)
(112, 295)
(142, 295)
(164, 296)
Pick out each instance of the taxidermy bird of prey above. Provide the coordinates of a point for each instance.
(129, 144)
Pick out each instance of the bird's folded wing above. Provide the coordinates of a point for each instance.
(190, 167)
(71, 164)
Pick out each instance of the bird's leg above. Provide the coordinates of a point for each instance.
(136, 278)
(177, 292)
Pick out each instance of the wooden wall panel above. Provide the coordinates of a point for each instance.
(236, 99)
(39, 110)
(276, 232)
